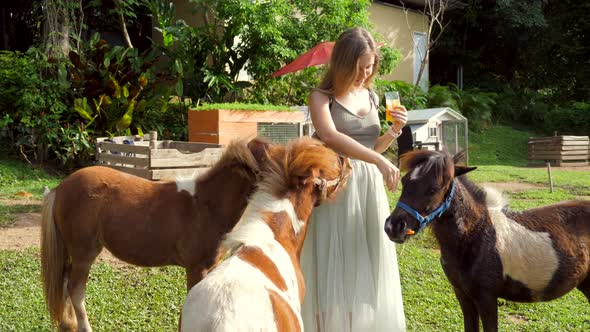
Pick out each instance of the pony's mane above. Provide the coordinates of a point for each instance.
(289, 164)
(441, 162)
(479, 195)
(427, 160)
(238, 156)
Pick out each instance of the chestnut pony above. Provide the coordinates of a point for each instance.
(260, 287)
(487, 251)
(140, 222)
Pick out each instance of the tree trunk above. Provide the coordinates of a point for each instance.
(56, 29)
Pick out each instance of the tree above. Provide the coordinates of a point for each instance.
(255, 37)
(64, 22)
(434, 10)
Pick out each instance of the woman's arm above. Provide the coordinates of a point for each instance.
(400, 116)
(321, 119)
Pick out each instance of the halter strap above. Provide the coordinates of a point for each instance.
(325, 184)
(436, 213)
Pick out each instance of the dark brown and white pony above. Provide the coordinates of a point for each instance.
(140, 222)
(260, 286)
(487, 251)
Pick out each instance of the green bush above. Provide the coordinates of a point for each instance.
(34, 93)
(541, 109)
(476, 105)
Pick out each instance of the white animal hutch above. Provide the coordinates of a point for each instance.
(438, 128)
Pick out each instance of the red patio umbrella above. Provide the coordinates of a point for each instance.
(317, 55)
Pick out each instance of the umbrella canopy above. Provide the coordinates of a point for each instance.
(317, 55)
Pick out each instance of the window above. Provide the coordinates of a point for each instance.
(432, 132)
(420, 48)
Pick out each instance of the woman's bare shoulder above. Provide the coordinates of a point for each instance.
(319, 97)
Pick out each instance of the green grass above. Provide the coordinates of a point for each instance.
(150, 299)
(242, 107)
(16, 177)
(499, 145)
(129, 299)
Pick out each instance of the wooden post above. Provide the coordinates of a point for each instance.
(550, 177)
(153, 139)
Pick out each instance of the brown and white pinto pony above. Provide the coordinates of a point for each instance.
(487, 251)
(260, 286)
(141, 222)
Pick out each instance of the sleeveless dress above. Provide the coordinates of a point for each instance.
(349, 264)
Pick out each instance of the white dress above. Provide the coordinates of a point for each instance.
(348, 262)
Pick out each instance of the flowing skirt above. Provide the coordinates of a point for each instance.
(348, 262)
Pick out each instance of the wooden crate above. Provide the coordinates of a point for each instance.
(559, 150)
(155, 160)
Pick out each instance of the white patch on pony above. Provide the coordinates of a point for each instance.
(253, 231)
(527, 256)
(187, 184)
(416, 172)
(264, 201)
(234, 296)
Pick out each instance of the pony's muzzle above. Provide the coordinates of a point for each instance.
(396, 229)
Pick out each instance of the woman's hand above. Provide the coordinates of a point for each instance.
(400, 118)
(390, 173)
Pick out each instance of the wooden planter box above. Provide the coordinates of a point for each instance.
(155, 160)
(221, 126)
(559, 150)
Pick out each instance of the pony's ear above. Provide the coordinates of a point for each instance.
(259, 148)
(459, 157)
(460, 170)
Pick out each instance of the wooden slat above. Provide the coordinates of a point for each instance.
(127, 148)
(192, 146)
(173, 153)
(119, 159)
(564, 143)
(572, 163)
(143, 173)
(559, 138)
(160, 174)
(560, 153)
(189, 160)
(558, 157)
(559, 163)
(556, 147)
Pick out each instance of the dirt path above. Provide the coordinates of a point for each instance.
(25, 232)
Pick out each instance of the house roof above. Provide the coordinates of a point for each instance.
(425, 115)
(421, 4)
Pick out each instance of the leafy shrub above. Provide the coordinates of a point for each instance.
(474, 104)
(113, 84)
(33, 101)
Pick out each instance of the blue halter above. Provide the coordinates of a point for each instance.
(436, 213)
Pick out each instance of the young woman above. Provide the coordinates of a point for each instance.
(349, 264)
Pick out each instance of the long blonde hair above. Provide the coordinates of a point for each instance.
(344, 62)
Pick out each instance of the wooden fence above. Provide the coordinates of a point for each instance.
(559, 150)
(154, 160)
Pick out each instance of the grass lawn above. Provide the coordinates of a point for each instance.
(149, 299)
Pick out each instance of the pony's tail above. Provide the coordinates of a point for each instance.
(53, 266)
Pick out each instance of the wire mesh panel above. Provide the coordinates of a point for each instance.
(279, 132)
(454, 136)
